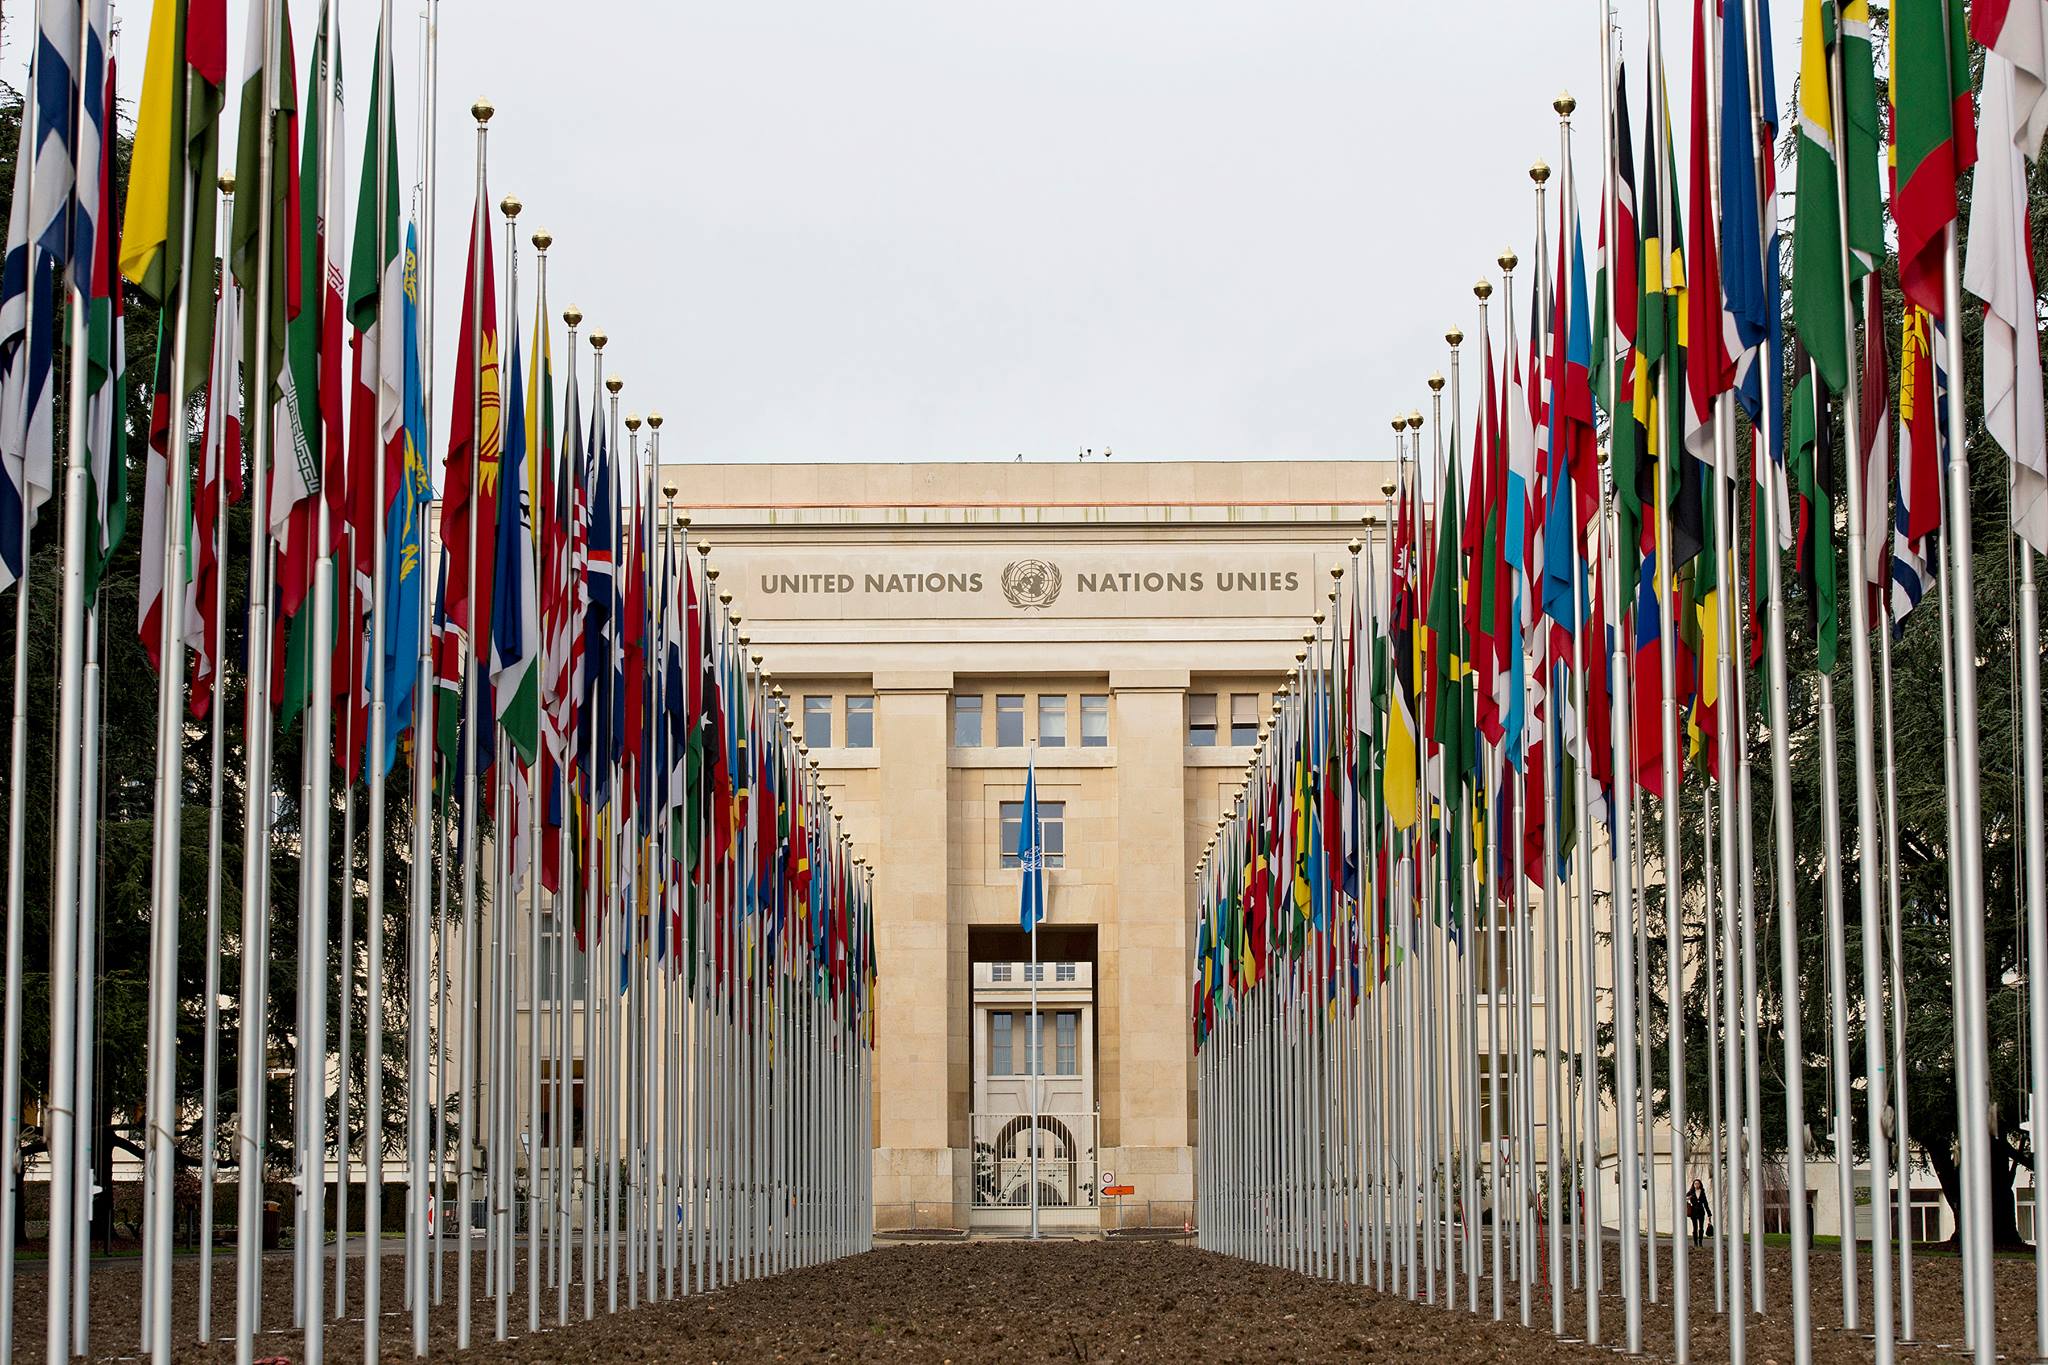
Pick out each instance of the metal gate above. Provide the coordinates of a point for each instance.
(1002, 1160)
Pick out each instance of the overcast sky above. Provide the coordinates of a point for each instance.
(932, 230)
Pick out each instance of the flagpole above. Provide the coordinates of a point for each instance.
(89, 949)
(163, 1002)
(1034, 909)
(536, 795)
(421, 1074)
(61, 1115)
(1436, 387)
(210, 1043)
(507, 817)
(1972, 1076)
(1897, 1119)
(165, 903)
(255, 936)
(1784, 873)
(1621, 904)
(465, 1176)
(1837, 961)
(426, 834)
(621, 943)
(1585, 1205)
(317, 804)
(633, 944)
(1732, 731)
(1673, 876)
(2029, 698)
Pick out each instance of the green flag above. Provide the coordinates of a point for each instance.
(1817, 303)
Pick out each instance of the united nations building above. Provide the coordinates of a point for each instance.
(1122, 626)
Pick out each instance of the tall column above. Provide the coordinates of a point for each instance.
(1146, 1080)
(914, 1158)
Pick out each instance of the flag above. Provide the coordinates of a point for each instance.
(27, 463)
(405, 531)
(59, 148)
(1648, 676)
(1398, 771)
(469, 523)
(1921, 462)
(107, 368)
(1750, 273)
(218, 484)
(1712, 339)
(1612, 337)
(1451, 717)
(1813, 478)
(2017, 30)
(1862, 141)
(515, 608)
(383, 443)
(1030, 856)
(1999, 269)
(296, 463)
(599, 578)
(175, 161)
(1817, 302)
(299, 434)
(1874, 447)
(277, 124)
(1934, 137)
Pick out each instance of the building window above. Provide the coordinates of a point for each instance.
(1063, 972)
(1202, 720)
(1010, 721)
(1094, 720)
(860, 722)
(1052, 827)
(818, 722)
(572, 1101)
(967, 722)
(548, 971)
(999, 971)
(1066, 1025)
(999, 1059)
(1244, 719)
(1052, 720)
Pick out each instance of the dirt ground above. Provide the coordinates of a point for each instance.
(1057, 1301)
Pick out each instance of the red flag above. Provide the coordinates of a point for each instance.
(469, 519)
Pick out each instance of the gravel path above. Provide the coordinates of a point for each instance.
(1057, 1301)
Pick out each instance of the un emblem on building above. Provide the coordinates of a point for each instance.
(1031, 584)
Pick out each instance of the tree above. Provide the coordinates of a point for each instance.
(127, 817)
(1924, 804)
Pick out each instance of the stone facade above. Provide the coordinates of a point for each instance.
(1134, 585)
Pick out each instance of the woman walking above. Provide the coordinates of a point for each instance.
(1696, 1211)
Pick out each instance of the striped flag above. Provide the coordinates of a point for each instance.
(1922, 429)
